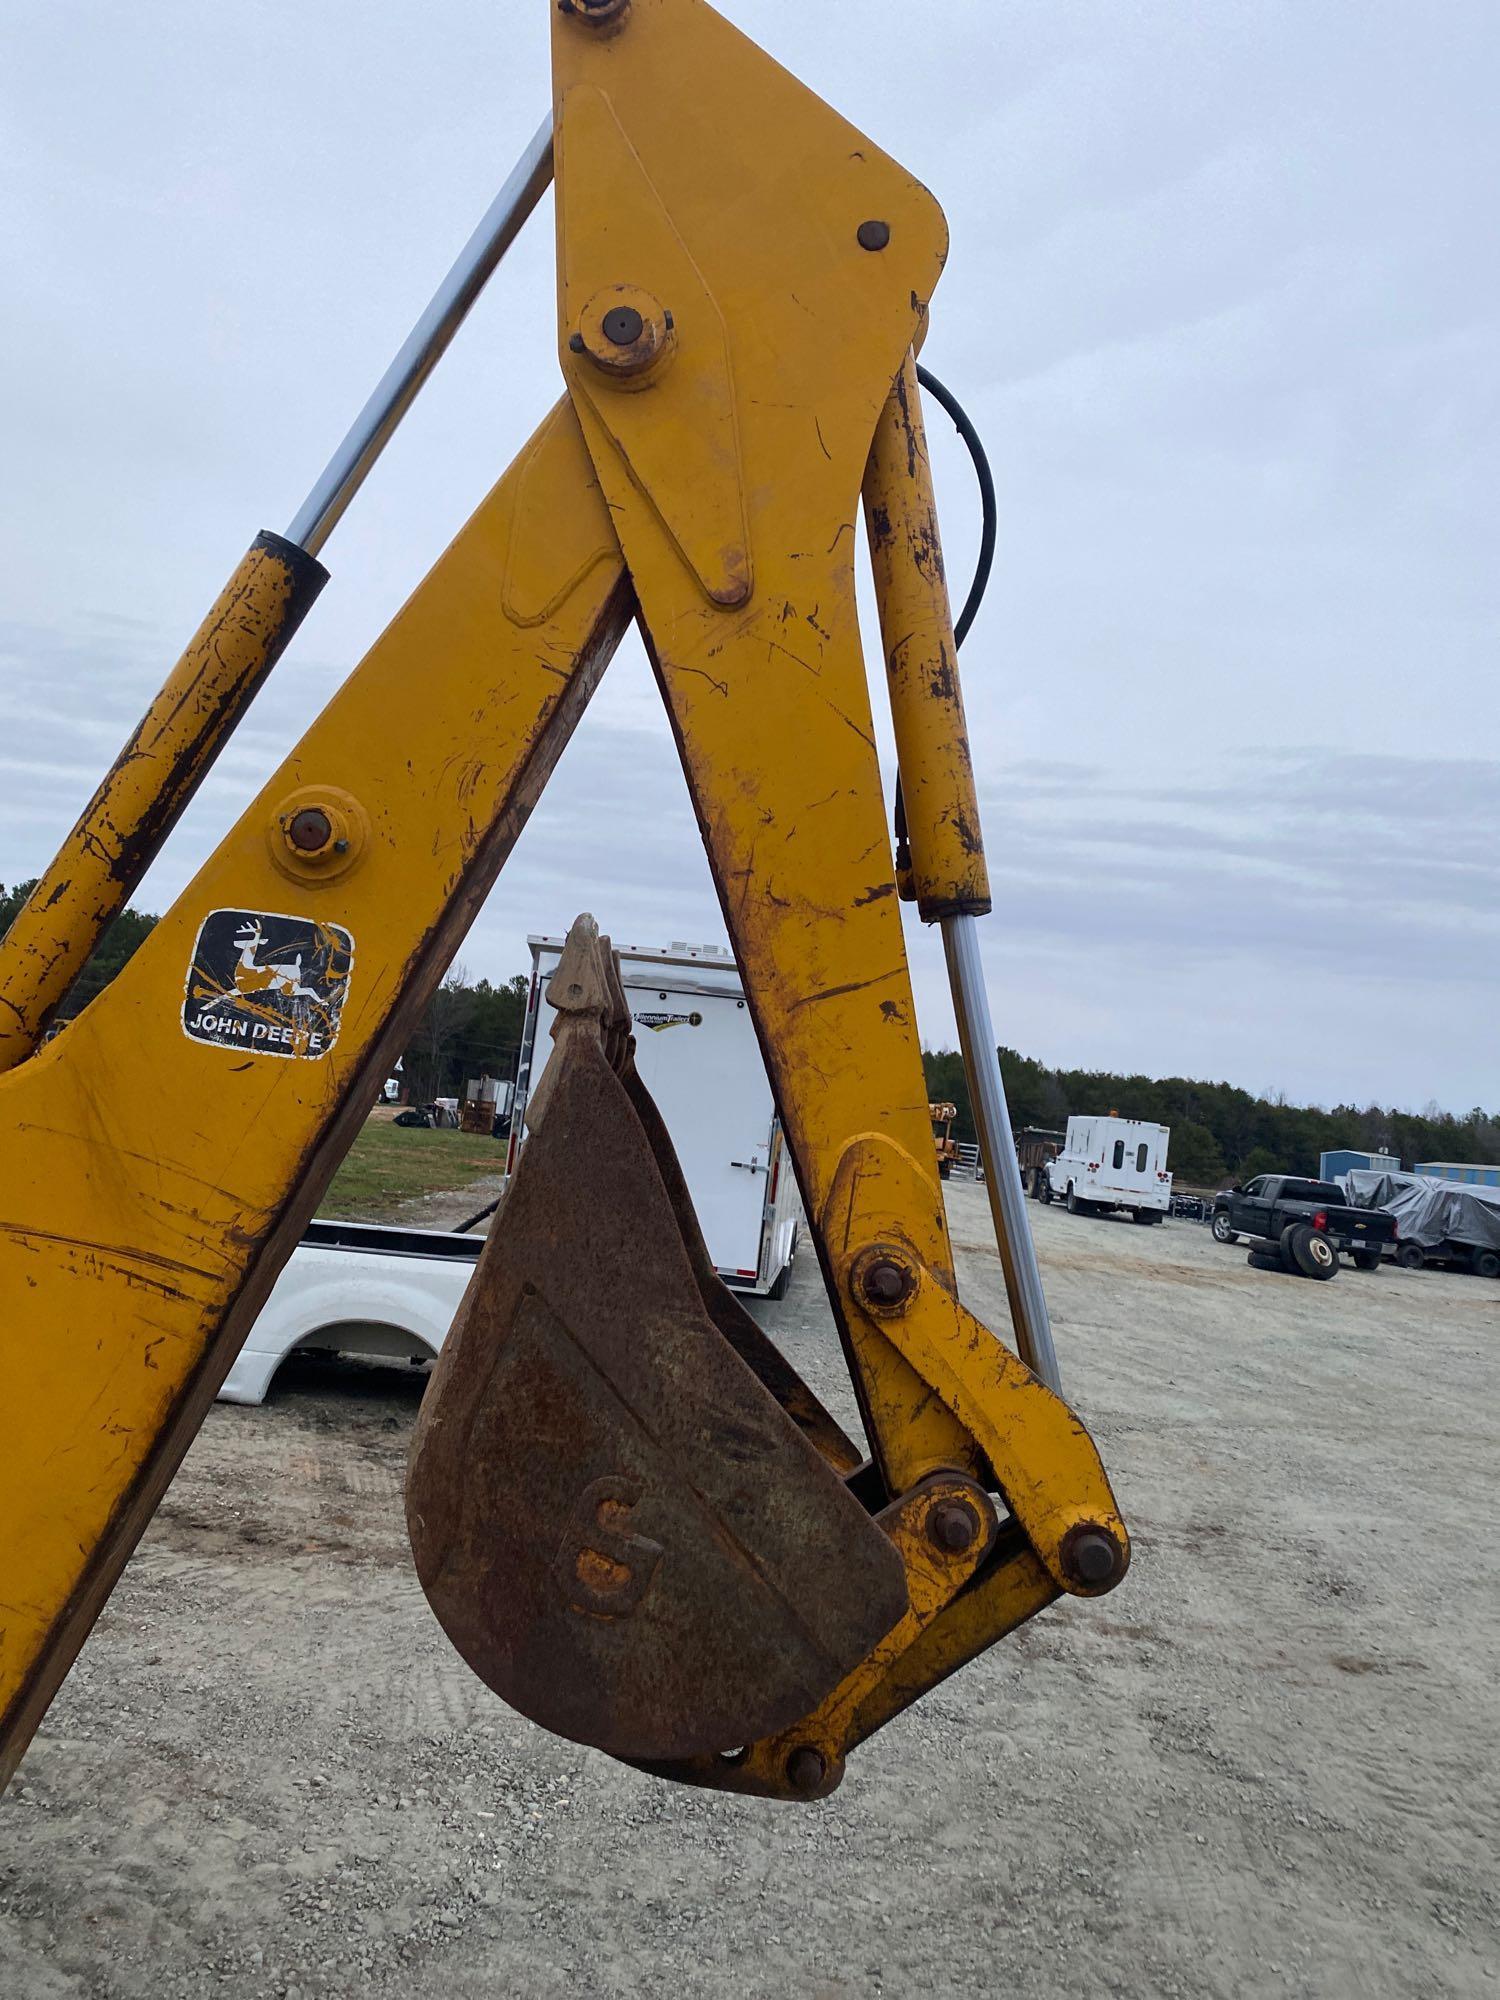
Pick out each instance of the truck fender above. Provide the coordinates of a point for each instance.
(344, 1292)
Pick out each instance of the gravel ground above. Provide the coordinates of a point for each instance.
(1267, 1765)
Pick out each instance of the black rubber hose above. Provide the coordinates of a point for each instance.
(965, 428)
(963, 424)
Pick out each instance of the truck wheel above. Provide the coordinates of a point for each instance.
(1044, 1191)
(1486, 1264)
(1366, 1260)
(1075, 1206)
(1222, 1233)
(1146, 1215)
(1265, 1260)
(1411, 1257)
(1309, 1251)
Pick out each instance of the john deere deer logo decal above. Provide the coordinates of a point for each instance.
(267, 985)
(283, 980)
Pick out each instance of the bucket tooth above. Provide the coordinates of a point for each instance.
(614, 1519)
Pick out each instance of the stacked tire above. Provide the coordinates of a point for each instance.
(1303, 1252)
(1308, 1252)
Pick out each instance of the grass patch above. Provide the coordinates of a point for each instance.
(388, 1164)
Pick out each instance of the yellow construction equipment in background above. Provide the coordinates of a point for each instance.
(631, 1516)
(940, 1117)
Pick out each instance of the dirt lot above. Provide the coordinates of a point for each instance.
(1267, 1765)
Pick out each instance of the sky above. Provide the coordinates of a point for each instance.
(1222, 297)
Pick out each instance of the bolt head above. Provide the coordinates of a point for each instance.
(952, 1526)
(806, 1769)
(623, 325)
(873, 235)
(576, 343)
(310, 830)
(1093, 1557)
(885, 1282)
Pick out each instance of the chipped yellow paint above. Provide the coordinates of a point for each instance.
(1044, 1462)
(770, 700)
(921, 660)
(151, 1185)
(1014, 1587)
(666, 401)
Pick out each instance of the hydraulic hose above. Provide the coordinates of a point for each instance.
(964, 425)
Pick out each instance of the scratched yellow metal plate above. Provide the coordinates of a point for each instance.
(149, 1178)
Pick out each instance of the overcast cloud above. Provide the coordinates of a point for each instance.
(1222, 296)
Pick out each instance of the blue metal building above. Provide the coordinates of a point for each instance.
(1453, 1170)
(1331, 1165)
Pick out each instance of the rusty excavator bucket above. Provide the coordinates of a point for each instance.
(627, 1511)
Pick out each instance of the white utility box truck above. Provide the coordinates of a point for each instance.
(1109, 1163)
(696, 1052)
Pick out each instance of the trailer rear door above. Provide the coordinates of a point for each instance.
(698, 1057)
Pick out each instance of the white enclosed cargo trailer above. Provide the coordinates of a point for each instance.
(696, 1052)
(1111, 1163)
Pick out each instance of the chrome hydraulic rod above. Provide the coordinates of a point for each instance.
(944, 870)
(425, 345)
(1002, 1174)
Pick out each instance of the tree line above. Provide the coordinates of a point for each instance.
(465, 1031)
(1219, 1132)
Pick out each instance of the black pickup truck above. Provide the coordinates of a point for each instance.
(1301, 1225)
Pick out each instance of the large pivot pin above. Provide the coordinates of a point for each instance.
(625, 332)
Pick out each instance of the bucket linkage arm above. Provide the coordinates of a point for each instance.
(732, 493)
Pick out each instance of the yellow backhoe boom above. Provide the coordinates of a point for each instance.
(633, 1519)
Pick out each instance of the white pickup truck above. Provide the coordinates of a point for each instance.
(357, 1288)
